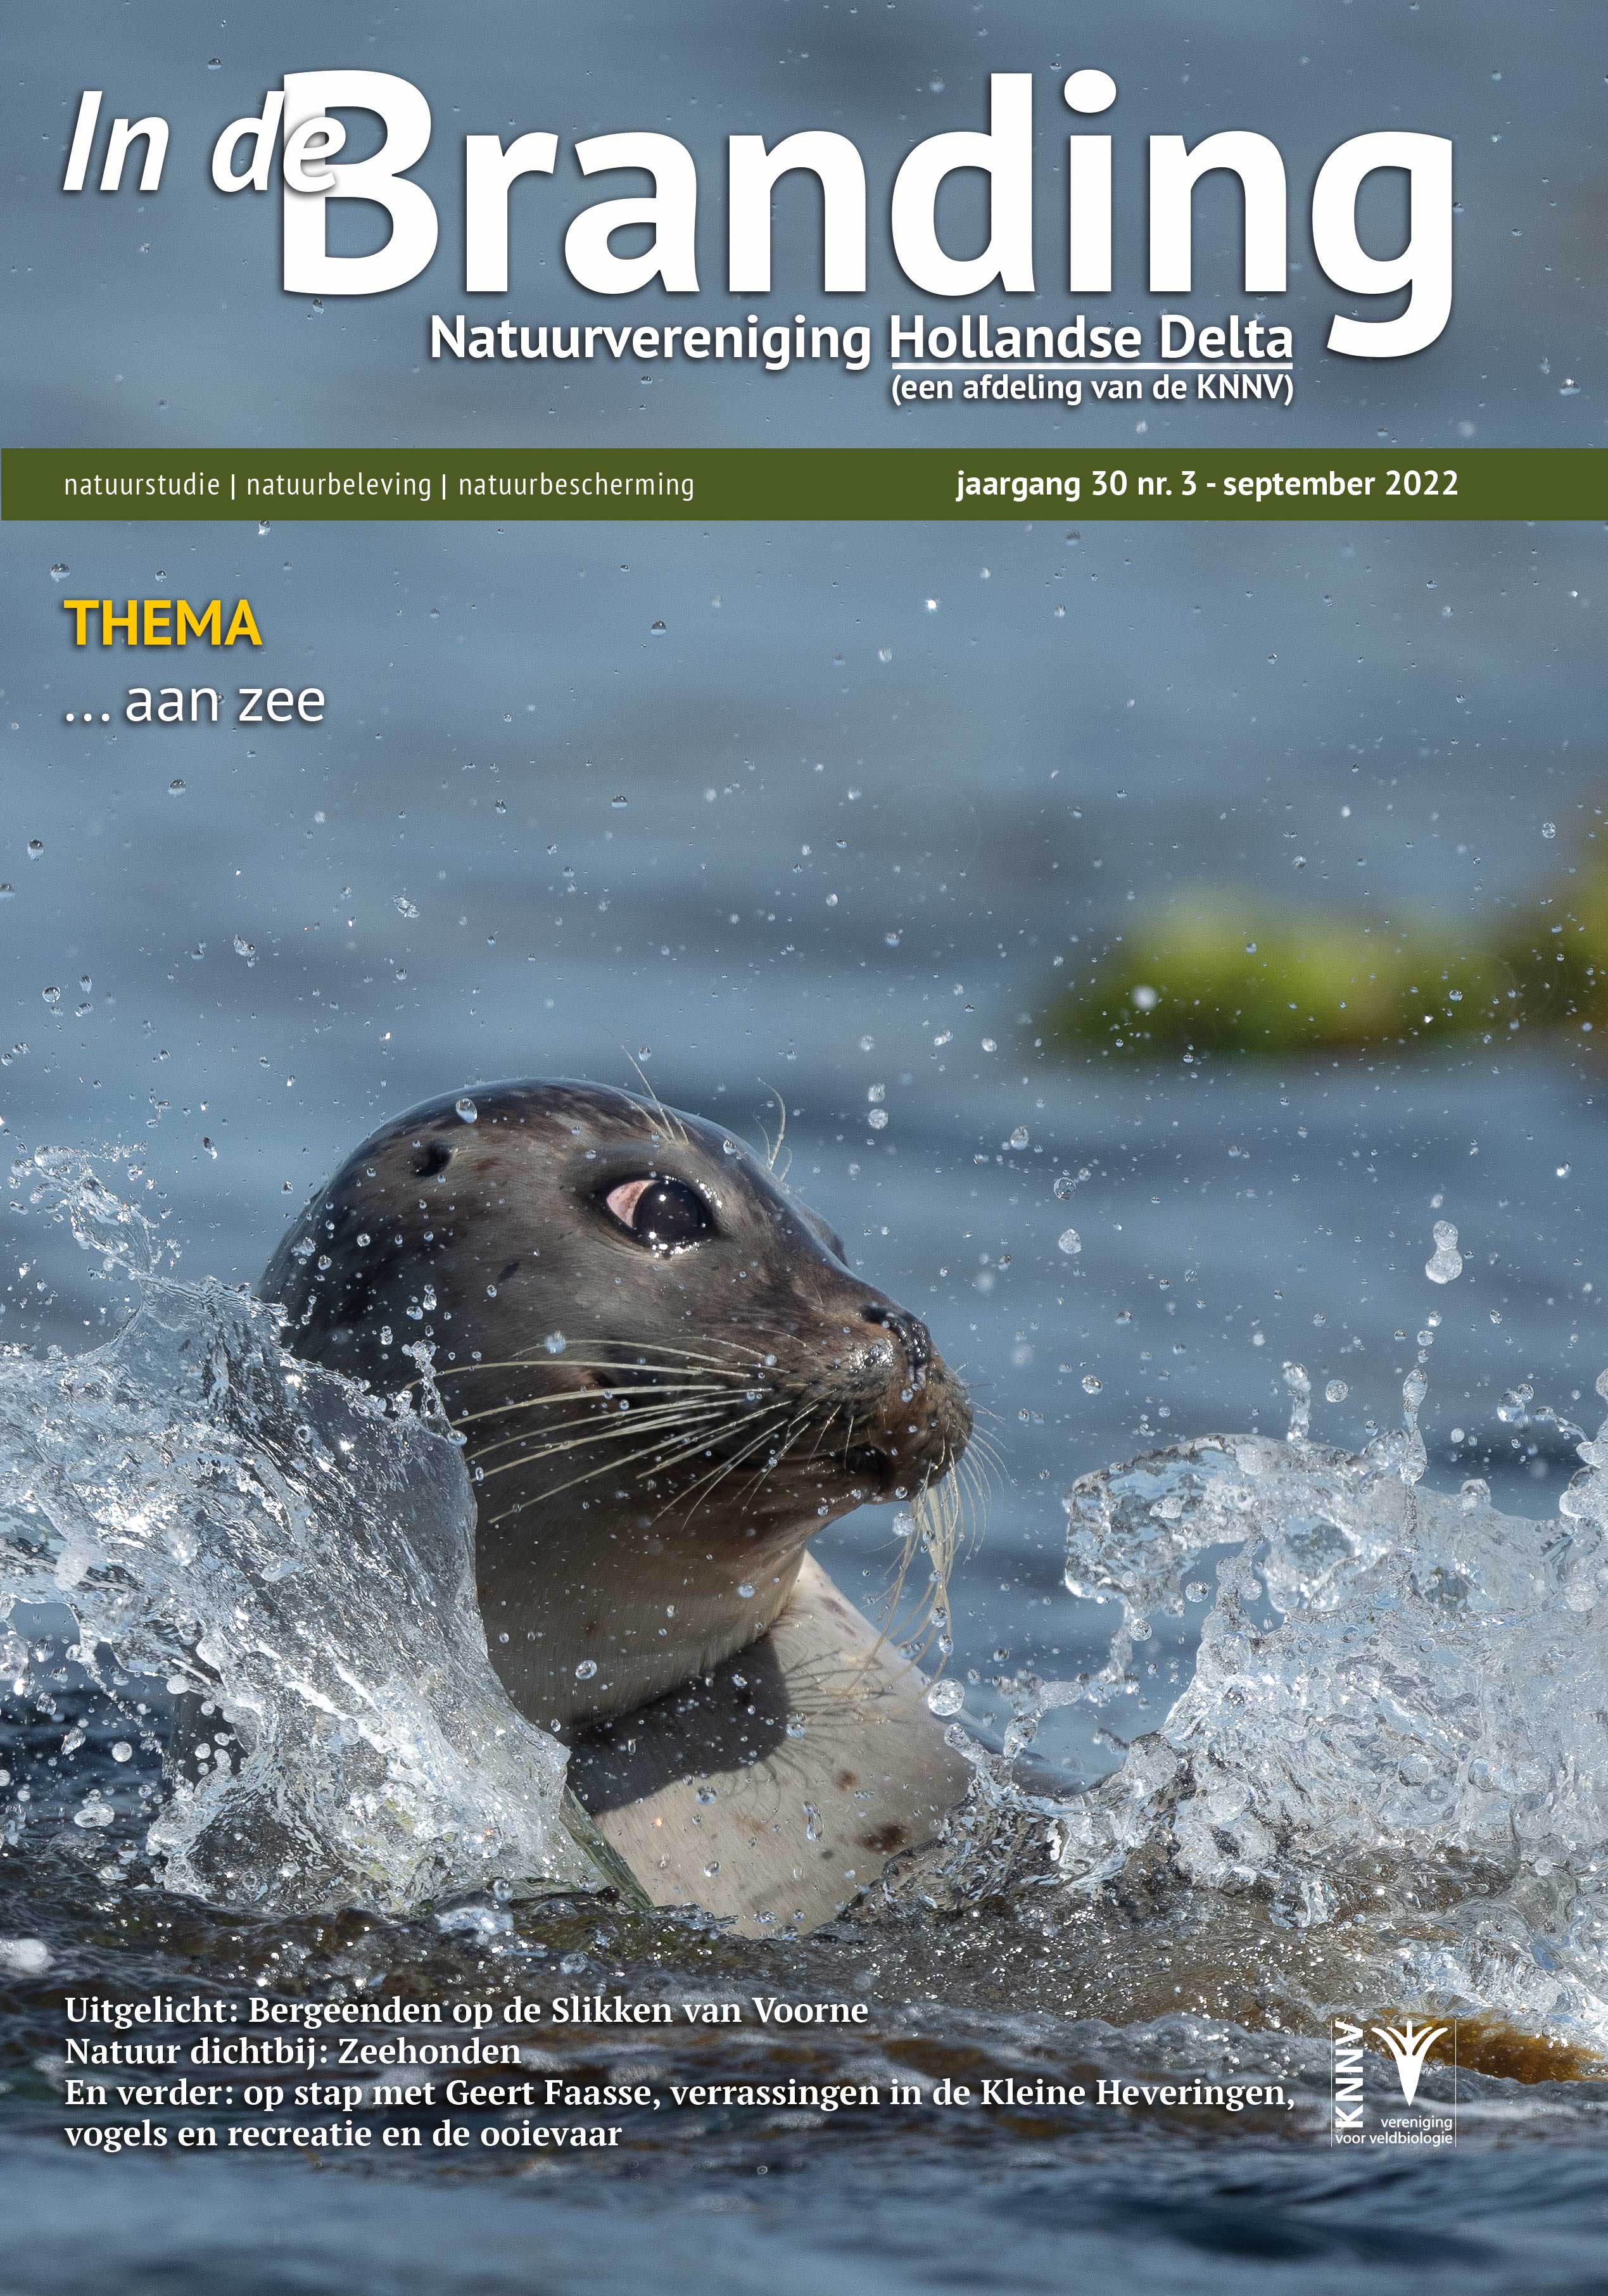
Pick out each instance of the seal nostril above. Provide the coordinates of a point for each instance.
(910, 1332)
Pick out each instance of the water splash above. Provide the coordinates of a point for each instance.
(271, 1546)
(1395, 1727)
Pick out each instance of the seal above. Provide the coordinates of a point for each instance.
(667, 1379)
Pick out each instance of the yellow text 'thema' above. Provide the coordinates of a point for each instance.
(162, 621)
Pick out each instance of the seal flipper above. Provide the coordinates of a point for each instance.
(773, 1790)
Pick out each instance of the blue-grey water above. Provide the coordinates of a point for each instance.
(816, 813)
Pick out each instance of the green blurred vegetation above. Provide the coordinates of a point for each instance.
(1219, 975)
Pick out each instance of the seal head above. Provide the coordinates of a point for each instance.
(666, 1373)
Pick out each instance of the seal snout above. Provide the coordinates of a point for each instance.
(915, 1422)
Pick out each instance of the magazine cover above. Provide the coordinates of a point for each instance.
(803, 1460)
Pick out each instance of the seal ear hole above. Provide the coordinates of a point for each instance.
(431, 1159)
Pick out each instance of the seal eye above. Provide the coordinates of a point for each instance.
(665, 1213)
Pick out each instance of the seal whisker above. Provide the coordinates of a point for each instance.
(700, 1492)
(699, 1439)
(774, 1147)
(655, 1462)
(649, 1424)
(550, 1436)
(646, 1426)
(723, 1467)
(681, 1437)
(604, 1467)
(783, 1438)
(676, 1132)
(736, 1422)
(988, 1460)
(659, 1423)
(681, 1357)
(935, 1525)
(588, 1395)
(704, 1492)
(977, 1491)
(814, 1452)
(747, 1356)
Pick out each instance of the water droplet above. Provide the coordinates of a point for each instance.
(945, 1698)
(59, 571)
(1446, 1264)
(176, 789)
(1549, 829)
(585, 1671)
(404, 906)
(555, 1343)
(618, 803)
(35, 847)
(989, 1044)
(878, 1119)
(745, 1593)
(1091, 1385)
(1019, 1137)
(1336, 1392)
(884, 653)
(1070, 1242)
(122, 1752)
(467, 1109)
(51, 996)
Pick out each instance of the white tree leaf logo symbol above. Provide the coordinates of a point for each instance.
(1410, 2046)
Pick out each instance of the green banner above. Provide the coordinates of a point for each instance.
(706, 483)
